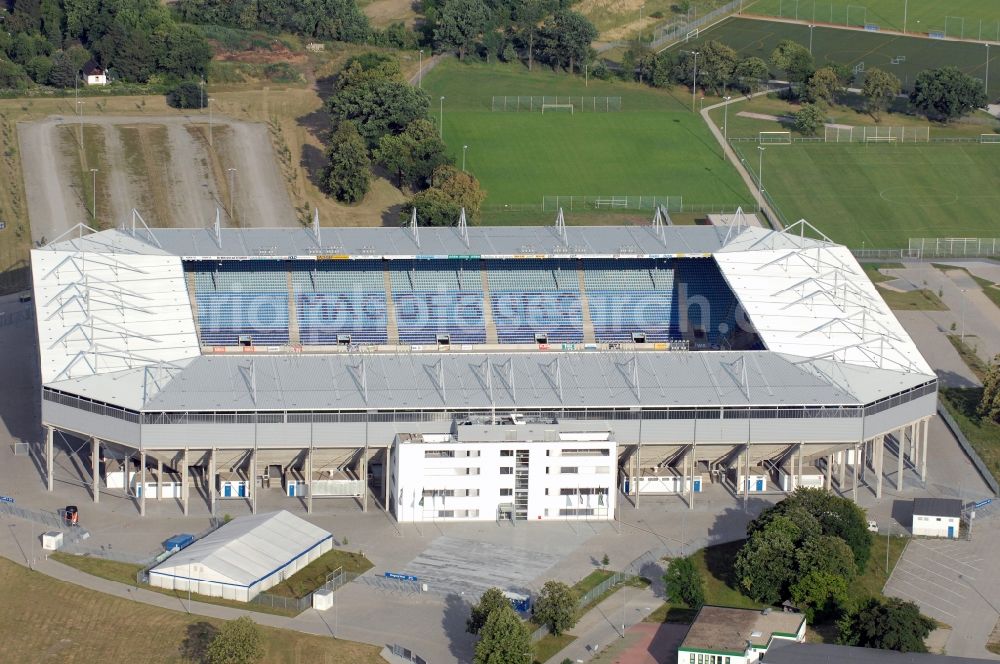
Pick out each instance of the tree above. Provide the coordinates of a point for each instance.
(716, 65)
(826, 553)
(819, 594)
(889, 624)
(348, 173)
(187, 95)
(413, 154)
(809, 118)
(823, 86)
(765, 565)
(460, 24)
(12, 75)
(566, 39)
(461, 188)
(238, 642)
(989, 404)
(751, 73)
(684, 584)
(39, 68)
(64, 71)
(605, 561)
(794, 59)
(946, 93)
(378, 107)
(879, 89)
(527, 15)
(555, 607)
(504, 639)
(492, 600)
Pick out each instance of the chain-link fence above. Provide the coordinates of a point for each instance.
(542, 103)
(299, 604)
(668, 34)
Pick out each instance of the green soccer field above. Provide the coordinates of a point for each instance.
(655, 146)
(968, 19)
(852, 47)
(879, 195)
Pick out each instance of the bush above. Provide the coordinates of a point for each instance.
(187, 95)
(684, 584)
(809, 119)
(555, 607)
(238, 642)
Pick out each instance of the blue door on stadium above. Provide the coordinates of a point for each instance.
(697, 486)
(951, 532)
(243, 490)
(291, 489)
(227, 490)
(760, 485)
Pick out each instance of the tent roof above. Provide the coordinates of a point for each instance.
(245, 550)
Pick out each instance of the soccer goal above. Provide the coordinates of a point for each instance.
(557, 107)
(881, 139)
(989, 138)
(775, 137)
(691, 35)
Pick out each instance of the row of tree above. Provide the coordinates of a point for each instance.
(49, 41)
(319, 19)
(380, 119)
(503, 637)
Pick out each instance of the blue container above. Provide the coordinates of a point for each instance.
(178, 542)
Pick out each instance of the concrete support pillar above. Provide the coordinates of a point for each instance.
(49, 434)
(95, 468)
(364, 480)
(841, 465)
(159, 479)
(142, 481)
(901, 446)
(923, 451)
(864, 459)
(829, 472)
(210, 482)
(693, 452)
(879, 443)
(798, 453)
(185, 489)
(253, 481)
(308, 479)
(746, 472)
(638, 472)
(857, 470)
(386, 476)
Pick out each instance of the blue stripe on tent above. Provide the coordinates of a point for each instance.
(237, 585)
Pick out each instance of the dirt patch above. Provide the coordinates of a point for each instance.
(385, 12)
(629, 29)
(609, 6)
(277, 53)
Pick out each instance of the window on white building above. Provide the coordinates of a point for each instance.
(506, 492)
(504, 453)
(439, 454)
(586, 452)
(506, 470)
(569, 470)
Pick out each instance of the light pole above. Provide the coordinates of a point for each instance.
(232, 187)
(93, 173)
(210, 122)
(201, 87)
(906, 4)
(464, 148)
(420, 69)
(79, 116)
(811, 26)
(441, 118)
(964, 291)
(760, 175)
(887, 531)
(986, 84)
(694, 86)
(725, 125)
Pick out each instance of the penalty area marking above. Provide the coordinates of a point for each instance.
(920, 197)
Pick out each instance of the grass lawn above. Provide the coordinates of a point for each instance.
(921, 15)
(968, 355)
(313, 575)
(983, 434)
(881, 195)
(45, 619)
(755, 37)
(990, 289)
(547, 646)
(919, 300)
(113, 570)
(654, 147)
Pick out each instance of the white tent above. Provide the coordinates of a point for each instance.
(244, 557)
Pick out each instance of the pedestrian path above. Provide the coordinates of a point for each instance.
(607, 622)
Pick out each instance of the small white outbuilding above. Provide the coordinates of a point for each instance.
(244, 557)
(937, 517)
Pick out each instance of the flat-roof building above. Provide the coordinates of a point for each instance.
(724, 635)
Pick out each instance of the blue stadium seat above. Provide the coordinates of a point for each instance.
(436, 298)
(337, 298)
(533, 297)
(241, 299)
(705, 301)
(631, 295)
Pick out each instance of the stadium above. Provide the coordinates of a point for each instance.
(522, 373)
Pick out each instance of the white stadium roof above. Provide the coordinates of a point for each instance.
(245, 550)
(115, 324)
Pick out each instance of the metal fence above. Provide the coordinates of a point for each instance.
(584, 104)
(967, 447)
(666, 35)
(954, 247)
(589, 596)
(406, 654)
(648, 202)
(299, 604)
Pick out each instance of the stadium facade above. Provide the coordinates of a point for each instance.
(325, 358)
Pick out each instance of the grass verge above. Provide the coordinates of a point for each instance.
(990, 289)
(45, 619)
(915, 300)
(984, 435)
(314, 575)
(113, 570)
(968, 355)
(547, 646)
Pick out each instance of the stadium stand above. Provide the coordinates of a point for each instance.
(241, 302)
(631, 296)
(340, 302)
(706, 305)
(537, 297)
(442, 297)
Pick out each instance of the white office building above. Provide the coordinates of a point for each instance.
(517, 471)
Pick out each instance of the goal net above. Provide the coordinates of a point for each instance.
(849, 134)
(535, 103)
(557, 107)
(989, 138)
(775, 137)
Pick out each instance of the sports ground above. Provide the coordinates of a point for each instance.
(654, 146)
(878, 195)
(968, 19)
(903, 56)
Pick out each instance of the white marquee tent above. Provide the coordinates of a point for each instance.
(244, 557)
